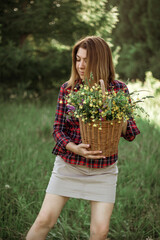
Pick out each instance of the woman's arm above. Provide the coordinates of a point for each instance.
(129, 128)
(59, 127)
(82, 150)
(124, 128)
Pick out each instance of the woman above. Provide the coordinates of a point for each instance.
(78, 172)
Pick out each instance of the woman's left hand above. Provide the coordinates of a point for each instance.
(124, 128)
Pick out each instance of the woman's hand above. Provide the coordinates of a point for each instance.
(82, 150)
(124, 128)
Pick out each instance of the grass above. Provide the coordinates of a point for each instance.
(26, 164)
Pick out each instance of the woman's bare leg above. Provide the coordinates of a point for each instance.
(100, 218)
(47, 217)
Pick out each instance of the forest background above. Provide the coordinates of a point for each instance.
(36, 39)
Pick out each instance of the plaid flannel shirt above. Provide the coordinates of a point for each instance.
(67, 130)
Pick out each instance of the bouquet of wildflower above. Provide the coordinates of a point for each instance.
(91, 105)
(97, 109)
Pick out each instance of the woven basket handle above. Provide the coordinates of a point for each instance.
(103, 88)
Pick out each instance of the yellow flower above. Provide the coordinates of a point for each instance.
(95, 125)
(100, 128)
(62, 101)
(86, 88)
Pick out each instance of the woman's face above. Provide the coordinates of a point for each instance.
(81, 62)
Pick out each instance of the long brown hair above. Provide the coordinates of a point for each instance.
(99, 61)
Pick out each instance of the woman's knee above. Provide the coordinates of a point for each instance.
(99, 232)
(50, 211)
(45, 221)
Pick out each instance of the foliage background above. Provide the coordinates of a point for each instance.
(36, 38)
(138, 37)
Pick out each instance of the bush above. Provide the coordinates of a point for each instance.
(29, 68)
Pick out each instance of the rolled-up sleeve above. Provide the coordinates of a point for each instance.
(132, 130)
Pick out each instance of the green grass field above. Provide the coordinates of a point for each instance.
(26, 163)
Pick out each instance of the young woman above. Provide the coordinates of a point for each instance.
(78, 172)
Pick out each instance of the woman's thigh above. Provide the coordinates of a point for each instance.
(100, 215)
(51, 207)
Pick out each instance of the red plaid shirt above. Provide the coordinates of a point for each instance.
(67, 130)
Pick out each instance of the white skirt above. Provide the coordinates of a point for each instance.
(75, 181)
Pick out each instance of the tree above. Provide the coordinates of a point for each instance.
(37, 36)
(65, 21)
(40, 19)
(138, 36)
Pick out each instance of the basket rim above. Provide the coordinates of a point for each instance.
(103, 121)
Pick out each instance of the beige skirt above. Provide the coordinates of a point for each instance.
(81, 182)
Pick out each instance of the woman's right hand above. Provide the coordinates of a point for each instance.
(82, 150)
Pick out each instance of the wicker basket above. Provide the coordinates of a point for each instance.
(105, 140)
